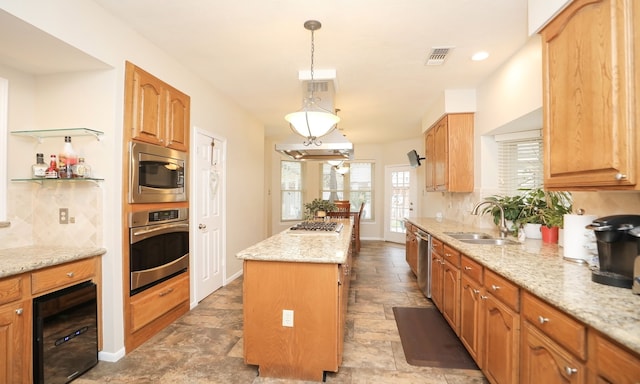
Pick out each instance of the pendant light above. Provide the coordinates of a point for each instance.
(312, 121)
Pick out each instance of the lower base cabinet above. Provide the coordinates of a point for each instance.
(544, 361)
(609, 363)
(14, 338)
(501, 341)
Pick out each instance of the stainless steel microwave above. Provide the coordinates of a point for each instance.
(157, 174)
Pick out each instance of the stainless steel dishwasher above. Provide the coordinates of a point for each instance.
(424, 262)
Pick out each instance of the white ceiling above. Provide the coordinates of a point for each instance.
(252, 50)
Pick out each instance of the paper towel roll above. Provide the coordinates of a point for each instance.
(577, 238)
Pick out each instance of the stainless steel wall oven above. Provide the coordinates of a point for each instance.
(158, 246)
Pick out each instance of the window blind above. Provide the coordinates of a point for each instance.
(519, 162)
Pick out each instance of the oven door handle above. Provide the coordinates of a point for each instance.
(157, 230)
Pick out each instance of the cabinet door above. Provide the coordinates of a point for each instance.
(441, 156)
(471, 318)
(412, 250)
(177, 125)
(589, 77)
(501, 333)
(147, 107)
(451, 295)
(609, 363)
(430, 161)
(543, 361)
(14, 338)
(437, 267)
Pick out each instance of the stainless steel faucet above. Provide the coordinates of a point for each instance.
(504, 231)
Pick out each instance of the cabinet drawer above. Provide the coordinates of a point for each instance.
(502, 289)
(437, 246)
(62, 275)
(452, 255)
(563, 329)
(471, 269)
(155, 302)
(10, 289)
(611, 362)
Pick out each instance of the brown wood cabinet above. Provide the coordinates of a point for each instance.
(591, 54)
(471, 315)
(155, 112)
(610, 363)
(449, 154)
(451, 288)
(501, 329)
(16, 315)
(317, 295)
(411, 247)
(437, 270)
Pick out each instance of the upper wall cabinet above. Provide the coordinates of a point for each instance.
(449, 154)
(591, 111)
(155, 112)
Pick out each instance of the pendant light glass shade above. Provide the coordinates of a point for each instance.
(312, 122)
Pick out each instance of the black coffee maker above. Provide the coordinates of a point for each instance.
(618, 239)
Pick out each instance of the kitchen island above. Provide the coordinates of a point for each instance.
(295, 293)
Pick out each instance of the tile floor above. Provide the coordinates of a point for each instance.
(205, 345)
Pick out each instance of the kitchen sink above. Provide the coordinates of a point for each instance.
(490, 241)
(468, 235)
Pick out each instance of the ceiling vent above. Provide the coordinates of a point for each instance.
(438, 55)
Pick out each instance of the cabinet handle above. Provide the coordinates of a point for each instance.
(542, 320)
(476, 291)
(484, 297)
(570, 371)
(495, 287)
(70, 274)
(168, 291)
(448, 254)
(19, 311)
(467, 268)
(620, 176)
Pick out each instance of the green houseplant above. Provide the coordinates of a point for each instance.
(512, 206)
(546, 208)
(316, 205)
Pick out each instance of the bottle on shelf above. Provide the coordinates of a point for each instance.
(39, 169)
(52, 171)
(67, 159)
(81, 169)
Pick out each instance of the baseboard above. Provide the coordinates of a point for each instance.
(233, 277)
(111, 357)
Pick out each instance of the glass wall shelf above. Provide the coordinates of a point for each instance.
(43, 133)
(41, 180)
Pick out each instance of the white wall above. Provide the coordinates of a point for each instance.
(87, 27)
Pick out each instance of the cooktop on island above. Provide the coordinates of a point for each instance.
(316, 227)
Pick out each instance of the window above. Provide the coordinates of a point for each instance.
(355, 186)
(291, 190)
(519, 162)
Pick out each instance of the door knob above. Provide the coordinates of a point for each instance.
(202, 226)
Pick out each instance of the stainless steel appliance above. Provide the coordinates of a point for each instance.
(158, 246)
(618, 242)
(157, 174)
(424, 262)
(65, 334)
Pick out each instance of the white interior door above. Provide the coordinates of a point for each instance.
(208, 173)
(401, 196)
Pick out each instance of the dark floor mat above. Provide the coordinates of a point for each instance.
(428, 341)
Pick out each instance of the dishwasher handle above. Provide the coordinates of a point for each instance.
(422, 235)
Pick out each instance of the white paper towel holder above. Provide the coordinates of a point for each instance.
(578, 260)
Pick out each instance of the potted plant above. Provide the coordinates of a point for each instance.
(547, 208)
(318, 208)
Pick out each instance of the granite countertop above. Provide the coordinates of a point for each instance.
(14, 261)
(301, 246)
(540, 269)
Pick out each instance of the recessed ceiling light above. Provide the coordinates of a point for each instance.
(479, 56)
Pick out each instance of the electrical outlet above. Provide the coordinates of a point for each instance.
(287, 318)
(63, 216)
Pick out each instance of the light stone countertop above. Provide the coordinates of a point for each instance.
(14, 261)
(302, 247)
(540, 268)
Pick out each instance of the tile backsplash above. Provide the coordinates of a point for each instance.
(33, 209)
